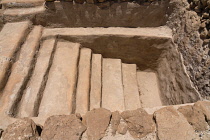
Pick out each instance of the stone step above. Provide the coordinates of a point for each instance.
(20, 73)
(131, 93)
(11, 37)
(33, 92)
(149, 89)
(83, 84)
(59, 92)
(21, 3)
(112, 88)
(96, 77)
(18, 14)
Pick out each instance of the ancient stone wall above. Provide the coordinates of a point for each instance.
(185, 122)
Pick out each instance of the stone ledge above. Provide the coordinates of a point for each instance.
(160, 32)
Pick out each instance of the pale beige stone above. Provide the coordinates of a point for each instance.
(148, 89)
(32, 96)
(20, 72)
(24, 11)
(95, 89)
(131, 93)
(112, 88)
(83, 84)
(146, 32)
(59, 92)
(11, 37)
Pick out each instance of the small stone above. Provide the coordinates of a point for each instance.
(122, 128)
(23, 129)
(205, 15)
(115, 121)
(197, 9)
(204, 33)
(203, 25)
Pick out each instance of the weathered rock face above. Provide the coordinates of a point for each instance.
(115, 121)
(24, 129)
(194, 116)
(97, 122)
(172, 125)
(139, 122)
(186, 25)
(205, 107)
(63, 127)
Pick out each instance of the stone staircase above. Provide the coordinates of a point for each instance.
(20, 10)
(41, 78)
(47, 73)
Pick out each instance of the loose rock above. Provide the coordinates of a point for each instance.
(122, 128)
(97, 121)
(63, 127)
(194, 116)
(172, 125)
(139, 122)
(23, 129)
(205, 107)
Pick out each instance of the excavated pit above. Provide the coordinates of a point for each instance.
(151, 49)
(160, 78)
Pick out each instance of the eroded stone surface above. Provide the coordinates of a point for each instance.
(172, 125)
(23, 129)
(205, 107)
(139, 122)
(97, 121)
(195, 117)
(63, 127)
